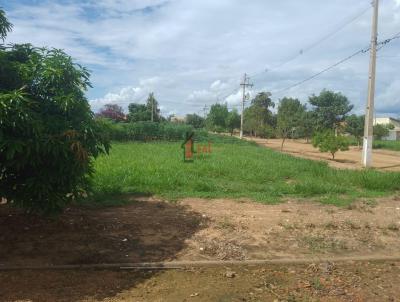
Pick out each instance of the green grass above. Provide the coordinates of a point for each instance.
(378, 144)
(389, 145)
(233, 170)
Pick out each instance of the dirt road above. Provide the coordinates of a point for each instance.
(382, 159)
(351, 281)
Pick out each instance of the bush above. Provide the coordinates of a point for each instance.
(329, 142)
(144, 131)
(48, 134)
(112, 130)
(381, 131)
(173, 132)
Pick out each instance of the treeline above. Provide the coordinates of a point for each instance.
(143, 122)
(327, 111)
(325, 119)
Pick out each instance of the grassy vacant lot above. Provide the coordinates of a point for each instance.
(389, 145)
(379, 144)
(234, 170)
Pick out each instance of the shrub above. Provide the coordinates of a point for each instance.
(144, 131)
(112, 130)
(48, 134)
(381, 131)
(172, 132)
(329, 142)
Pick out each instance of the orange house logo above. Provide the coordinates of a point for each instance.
(188, 148)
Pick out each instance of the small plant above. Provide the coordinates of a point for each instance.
(352, 225)
(320, 243)
(393, 227)
(331, 225)
(288, 226)
(329, 142)
(370, 203)
(316, 284)
(226, 224)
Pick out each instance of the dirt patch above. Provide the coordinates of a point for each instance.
(146, 230)
(150, 230)
(248, 230)
(382, 159)
(351, 281)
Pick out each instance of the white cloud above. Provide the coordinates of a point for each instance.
(127, 95)
(389, 99)
(123, 98)
(191, 53)
(218, 85)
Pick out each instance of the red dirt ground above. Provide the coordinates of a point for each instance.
(153, 230)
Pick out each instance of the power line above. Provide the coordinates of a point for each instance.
(387, 41)
(364, 50)
(322, 71)
(302, 51)
(316, 43)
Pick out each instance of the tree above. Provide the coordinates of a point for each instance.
(48, 134)
(152, 107)
(138, 113)
(195, 120)
(381, 131)
(330, 109)
(290, 112)
(145, 112)
(307, 125)
(5, 25)
(258, 118)
(232, 121)
(113, 112)
(216, 118)
(355, 127)
(327, 141)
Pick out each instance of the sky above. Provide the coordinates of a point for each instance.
(193, 53)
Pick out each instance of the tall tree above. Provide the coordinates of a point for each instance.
(307, 125)
(152, 107)
(216, 118)
(232, 121)
(330, 108)
(195, 120)
(290, 112)
(113, 112)
(258, 118)
(355, 127)
(48, 134)
(138, 113)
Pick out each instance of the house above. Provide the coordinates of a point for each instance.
(177, 119)
(393, 134)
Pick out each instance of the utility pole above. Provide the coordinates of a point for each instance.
(244, 84)
(152, 107)
(205, 109)
(369, 115)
